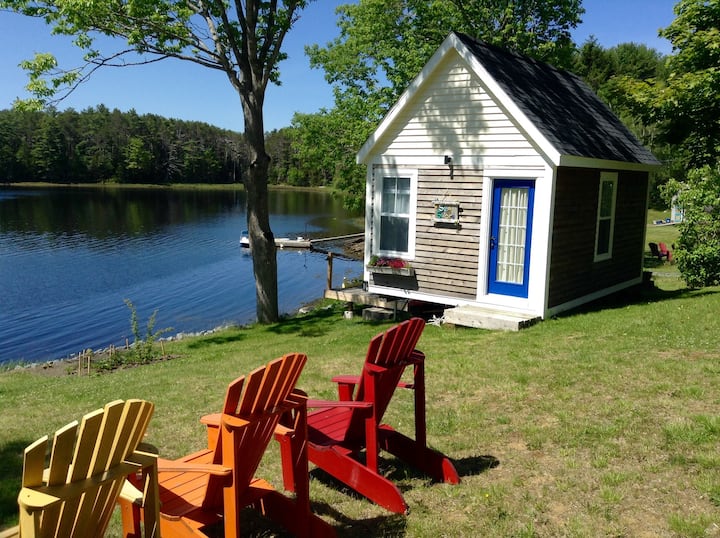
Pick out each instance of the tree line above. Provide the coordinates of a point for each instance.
(99, 145)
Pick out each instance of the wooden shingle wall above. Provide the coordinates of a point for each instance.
(446, 257)
(573, 271)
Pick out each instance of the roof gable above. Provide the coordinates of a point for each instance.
(556, 108)
(565, 109)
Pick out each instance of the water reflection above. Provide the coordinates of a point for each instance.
(69, 257)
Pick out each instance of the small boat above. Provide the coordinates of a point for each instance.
(298, 242)
(280, 242)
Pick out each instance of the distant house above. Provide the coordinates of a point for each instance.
(509, 188)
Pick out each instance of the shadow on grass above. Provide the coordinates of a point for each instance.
(255, 524)
(316, 323)
(11, 462)
(636, 296)
(399, 472)
(216, 340)
(475, 465)
(389, 525)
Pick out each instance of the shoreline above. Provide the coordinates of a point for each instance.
(51, 366)
(69, 365)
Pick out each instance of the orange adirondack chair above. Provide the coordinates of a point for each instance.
(339, 431)
(215, 484)
(75, 496)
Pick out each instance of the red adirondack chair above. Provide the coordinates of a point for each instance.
(339, 431)
(665, 251)
(660, 251)
(215, 484)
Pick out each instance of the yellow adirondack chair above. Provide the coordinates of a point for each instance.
(88, 463)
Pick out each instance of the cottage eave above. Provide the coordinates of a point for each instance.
(574, 161)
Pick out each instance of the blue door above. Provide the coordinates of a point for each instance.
(510, 237)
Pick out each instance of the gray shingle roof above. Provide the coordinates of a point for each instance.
(561, 106)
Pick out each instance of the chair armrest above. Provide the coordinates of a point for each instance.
(213, 419)
(231, 422)
(346, 386)
(169, 466)
(12, 532)
(346, 379)
(335, 403)
(147, 448)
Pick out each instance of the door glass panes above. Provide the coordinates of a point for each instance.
(512, 229)
(395, 214)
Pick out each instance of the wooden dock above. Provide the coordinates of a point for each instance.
(304, 242)
(358, 296)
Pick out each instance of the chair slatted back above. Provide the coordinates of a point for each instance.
(387, 356)
(257, 400)
(76, 494)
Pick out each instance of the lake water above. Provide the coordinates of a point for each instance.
(70, 257)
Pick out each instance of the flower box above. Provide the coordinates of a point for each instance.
(402, 271)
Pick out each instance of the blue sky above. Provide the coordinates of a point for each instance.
(182, 90)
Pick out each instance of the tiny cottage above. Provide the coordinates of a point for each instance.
(504, 187)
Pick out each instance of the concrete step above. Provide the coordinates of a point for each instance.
(486, 318)
(375, 313)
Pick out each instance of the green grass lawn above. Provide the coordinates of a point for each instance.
(603, 422)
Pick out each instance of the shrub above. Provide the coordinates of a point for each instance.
(698, 249)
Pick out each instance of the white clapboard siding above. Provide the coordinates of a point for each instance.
(452, 115)
(455, 114)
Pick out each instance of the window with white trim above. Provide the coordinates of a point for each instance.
(605, 216)
(394, 216)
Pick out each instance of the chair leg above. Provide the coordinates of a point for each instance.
(372, 485)
(294, 517)
(429, 461)
(130, 518)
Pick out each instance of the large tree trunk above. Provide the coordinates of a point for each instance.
(262, 241)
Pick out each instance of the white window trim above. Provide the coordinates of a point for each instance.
(605, 177)
(380, 174)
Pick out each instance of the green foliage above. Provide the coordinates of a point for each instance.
(698, 247)
(143, 347)
(685, 102)
(98, 145)
(384, 45)
(616, 74)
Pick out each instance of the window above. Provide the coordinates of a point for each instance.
(395, 214)
(605, 216)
